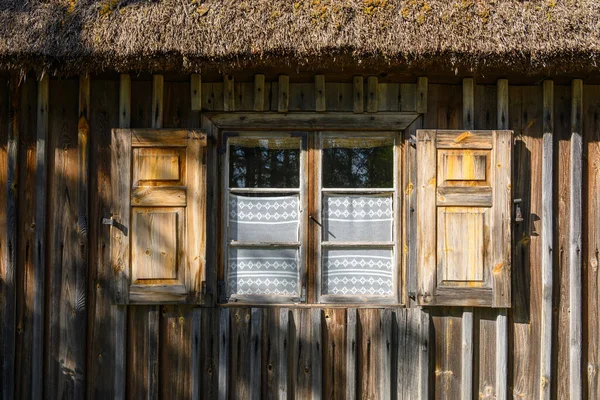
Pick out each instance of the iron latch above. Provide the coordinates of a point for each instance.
(112, 222)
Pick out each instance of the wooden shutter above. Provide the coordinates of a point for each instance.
(464, 217)
(158, 215)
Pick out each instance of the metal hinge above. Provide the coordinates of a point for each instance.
(112, 222)
(303, 294)
(518, 213)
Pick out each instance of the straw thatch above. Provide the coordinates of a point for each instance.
(193, 35)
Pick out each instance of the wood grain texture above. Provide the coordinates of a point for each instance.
(351, 353)
(284, 94)
(158, 84)
(372, 94)
(259, 92)
(320, 93)
(8, 274)
(26, 243)
(228, 93)
(575, 242)
(422, 99)
(359, 98)
(547, 241)
(223, 363)
(39, 251)
(196, 91)
(468, 86)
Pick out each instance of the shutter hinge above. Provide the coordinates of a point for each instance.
(518, 213)
(303, 294)
(203, 290)
(412, 140)
(112, 222)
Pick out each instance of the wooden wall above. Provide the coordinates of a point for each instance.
(61, 336)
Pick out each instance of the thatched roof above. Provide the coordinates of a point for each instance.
(194, 35)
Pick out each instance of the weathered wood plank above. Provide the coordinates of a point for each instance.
(125, 101)
(468, 87)
(424, 326)
(256, 327)
(39, 251)
(339, 96)
(386, 373)
(228, 93)
(196, 338)
(224, 330)
(4, 106)
(158, 84)
(283, 345)
(502, 319)
(240, 347)
(26, 242)
(359, 97)
(320, 93)
(447, 324)
(284, 94)
(591, 236)
(196, 91)
(334, 354)
(316, 354)
(209, 357)
(575, 244)
(408, 97)
(467, 354)
(8, 274)
(351, 353)
(372, 94)
(422, 91)
(547, 241)
(259, 92)
(64, 373)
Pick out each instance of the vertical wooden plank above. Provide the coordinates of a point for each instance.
(426, 215)
(320, 98)
(284, 93)
(547, 241)
(259, 92)
(502, 318)
(408, 97)
(385, 378)
(301, 353)
(351, 353)
(158, 83)
(256, 327)
(223, 354)
(422, 90)
(196, 91)
(502, 93)
(560, 326)
(228, 93)
(239, 374)
(334, 354)
(575, 229)
(26, 235)
(81, 252)
(372, 94)
(468, 85)
(316, 354)
(591, 236)
(40, 238)
(359, 97)
(284, 353)
(9, 272)
(502, 354)
(177, 358)
(125, 101)
(197, 336)
(4, 106)
(467, 354)
(210, 343)
(120, 312)
(424, 324)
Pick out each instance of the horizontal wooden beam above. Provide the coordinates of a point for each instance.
(313, 121)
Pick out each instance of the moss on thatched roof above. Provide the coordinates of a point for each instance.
(195, 35)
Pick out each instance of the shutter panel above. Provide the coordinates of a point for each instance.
(464, 217)
(158, 215)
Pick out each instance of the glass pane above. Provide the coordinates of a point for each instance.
(358, 218)
(263, 271)
(358, 272)
(264, 219)
(264, 163)
(358, 163)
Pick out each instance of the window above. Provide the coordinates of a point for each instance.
(342, 205)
